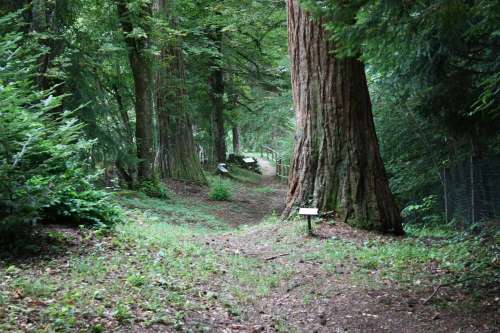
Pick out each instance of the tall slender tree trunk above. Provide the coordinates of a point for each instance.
(178, 156)
(47, 21)
(216, 82)
(236, 140)
(141, 72)
(336, 163)
(126, 171)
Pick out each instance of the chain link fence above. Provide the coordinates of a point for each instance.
(472, 192)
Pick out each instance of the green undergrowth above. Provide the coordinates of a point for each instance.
(264, 189)
(168, 262)
(426, 255)
(174, 211)
(223, 188)
(244, 176)
(153, 269)
(220, 189)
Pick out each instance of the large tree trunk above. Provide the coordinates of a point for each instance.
(141, 72)
(336, 164)
(216, 81)
(178, 157)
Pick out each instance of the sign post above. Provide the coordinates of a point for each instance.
(308, 212)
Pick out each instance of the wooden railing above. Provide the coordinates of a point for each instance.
(282, 170)
(269, 153)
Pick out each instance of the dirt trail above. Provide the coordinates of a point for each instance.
(312, 298)
(268, 170)
(250, 203)
(316, 298)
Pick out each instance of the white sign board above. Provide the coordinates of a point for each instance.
(308, 211)
(248, 160)
(222, 168)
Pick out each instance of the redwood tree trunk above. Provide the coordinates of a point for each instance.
(336, 163)
(178, 157)
(141, 72)
(216, 82)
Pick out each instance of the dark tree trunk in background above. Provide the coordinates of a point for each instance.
(236, 140)
(336, 163)
(141, 72)
(216, 82)
(47, 19)
(7, 6)
(125, 170)
(178, 157)
(39, 24)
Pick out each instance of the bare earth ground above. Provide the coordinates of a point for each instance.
(267, 277)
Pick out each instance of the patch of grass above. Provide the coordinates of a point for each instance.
(178, 212)
(122, 312)
(253, 278)
(281, 326)
(35, 288)
(136, 280)
(131, 273)
(244, 176)
(264, 189)
(429, 231)
(427, 256)
(155, 189)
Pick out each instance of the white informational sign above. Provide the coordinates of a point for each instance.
(222, 168)
(308, 211)
(248, 160)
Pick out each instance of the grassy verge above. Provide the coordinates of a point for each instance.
(426, 256)
(152, 270)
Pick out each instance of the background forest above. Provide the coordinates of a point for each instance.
(136, 91)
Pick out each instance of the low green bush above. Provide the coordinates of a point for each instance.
(220, 191)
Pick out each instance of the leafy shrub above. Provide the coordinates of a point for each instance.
(220, 191)
(44, 172)
(424, 211)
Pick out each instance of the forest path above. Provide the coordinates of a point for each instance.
(252, 200)
(266, 167)
(298, 283)
(191, 264)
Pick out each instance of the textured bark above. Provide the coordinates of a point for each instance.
(336, 163)
(236, 140)
(177, 152)
(216, 82)
(141, 72)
